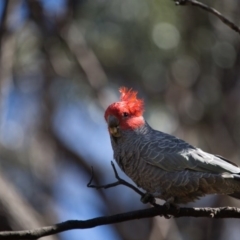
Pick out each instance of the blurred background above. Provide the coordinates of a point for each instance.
(62, 63)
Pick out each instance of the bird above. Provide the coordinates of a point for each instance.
(165, 166)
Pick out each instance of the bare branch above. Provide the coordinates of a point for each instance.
(211, 10)
(224, 212)
(120, 181)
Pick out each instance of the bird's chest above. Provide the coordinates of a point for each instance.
(124, 158)
(126, 155)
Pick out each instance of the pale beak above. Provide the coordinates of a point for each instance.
(113, 126)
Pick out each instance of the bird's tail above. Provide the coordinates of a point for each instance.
(236, 177)
(235, 195)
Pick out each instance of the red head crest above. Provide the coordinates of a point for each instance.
(130, 97)
(128, 111)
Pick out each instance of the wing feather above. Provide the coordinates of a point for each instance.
(172, 154)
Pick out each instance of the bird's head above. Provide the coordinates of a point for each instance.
(127, 114)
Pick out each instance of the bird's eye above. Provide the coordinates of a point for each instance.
(125, 114)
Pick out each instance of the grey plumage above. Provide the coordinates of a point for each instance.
(170, 168)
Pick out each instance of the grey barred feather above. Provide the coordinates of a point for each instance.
(168, 167)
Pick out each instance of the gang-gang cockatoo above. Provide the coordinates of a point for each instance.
(165, 166)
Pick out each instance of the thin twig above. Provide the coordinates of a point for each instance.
(211, 10)
(120, 181)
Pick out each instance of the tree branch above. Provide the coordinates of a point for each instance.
(211, 10)
(224, 212)
(145, 197)
(119, 182)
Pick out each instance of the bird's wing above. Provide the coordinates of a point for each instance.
(172, 154)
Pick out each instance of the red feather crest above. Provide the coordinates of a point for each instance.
(130, 96)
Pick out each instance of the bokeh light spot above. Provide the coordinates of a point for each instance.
(165, 36)
(224, 54)
(185, 71)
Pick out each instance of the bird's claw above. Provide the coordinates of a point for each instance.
(167, 216)
(147, 198)
(170, 204)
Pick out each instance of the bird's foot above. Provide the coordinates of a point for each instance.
(148, 198)
(170, 203)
